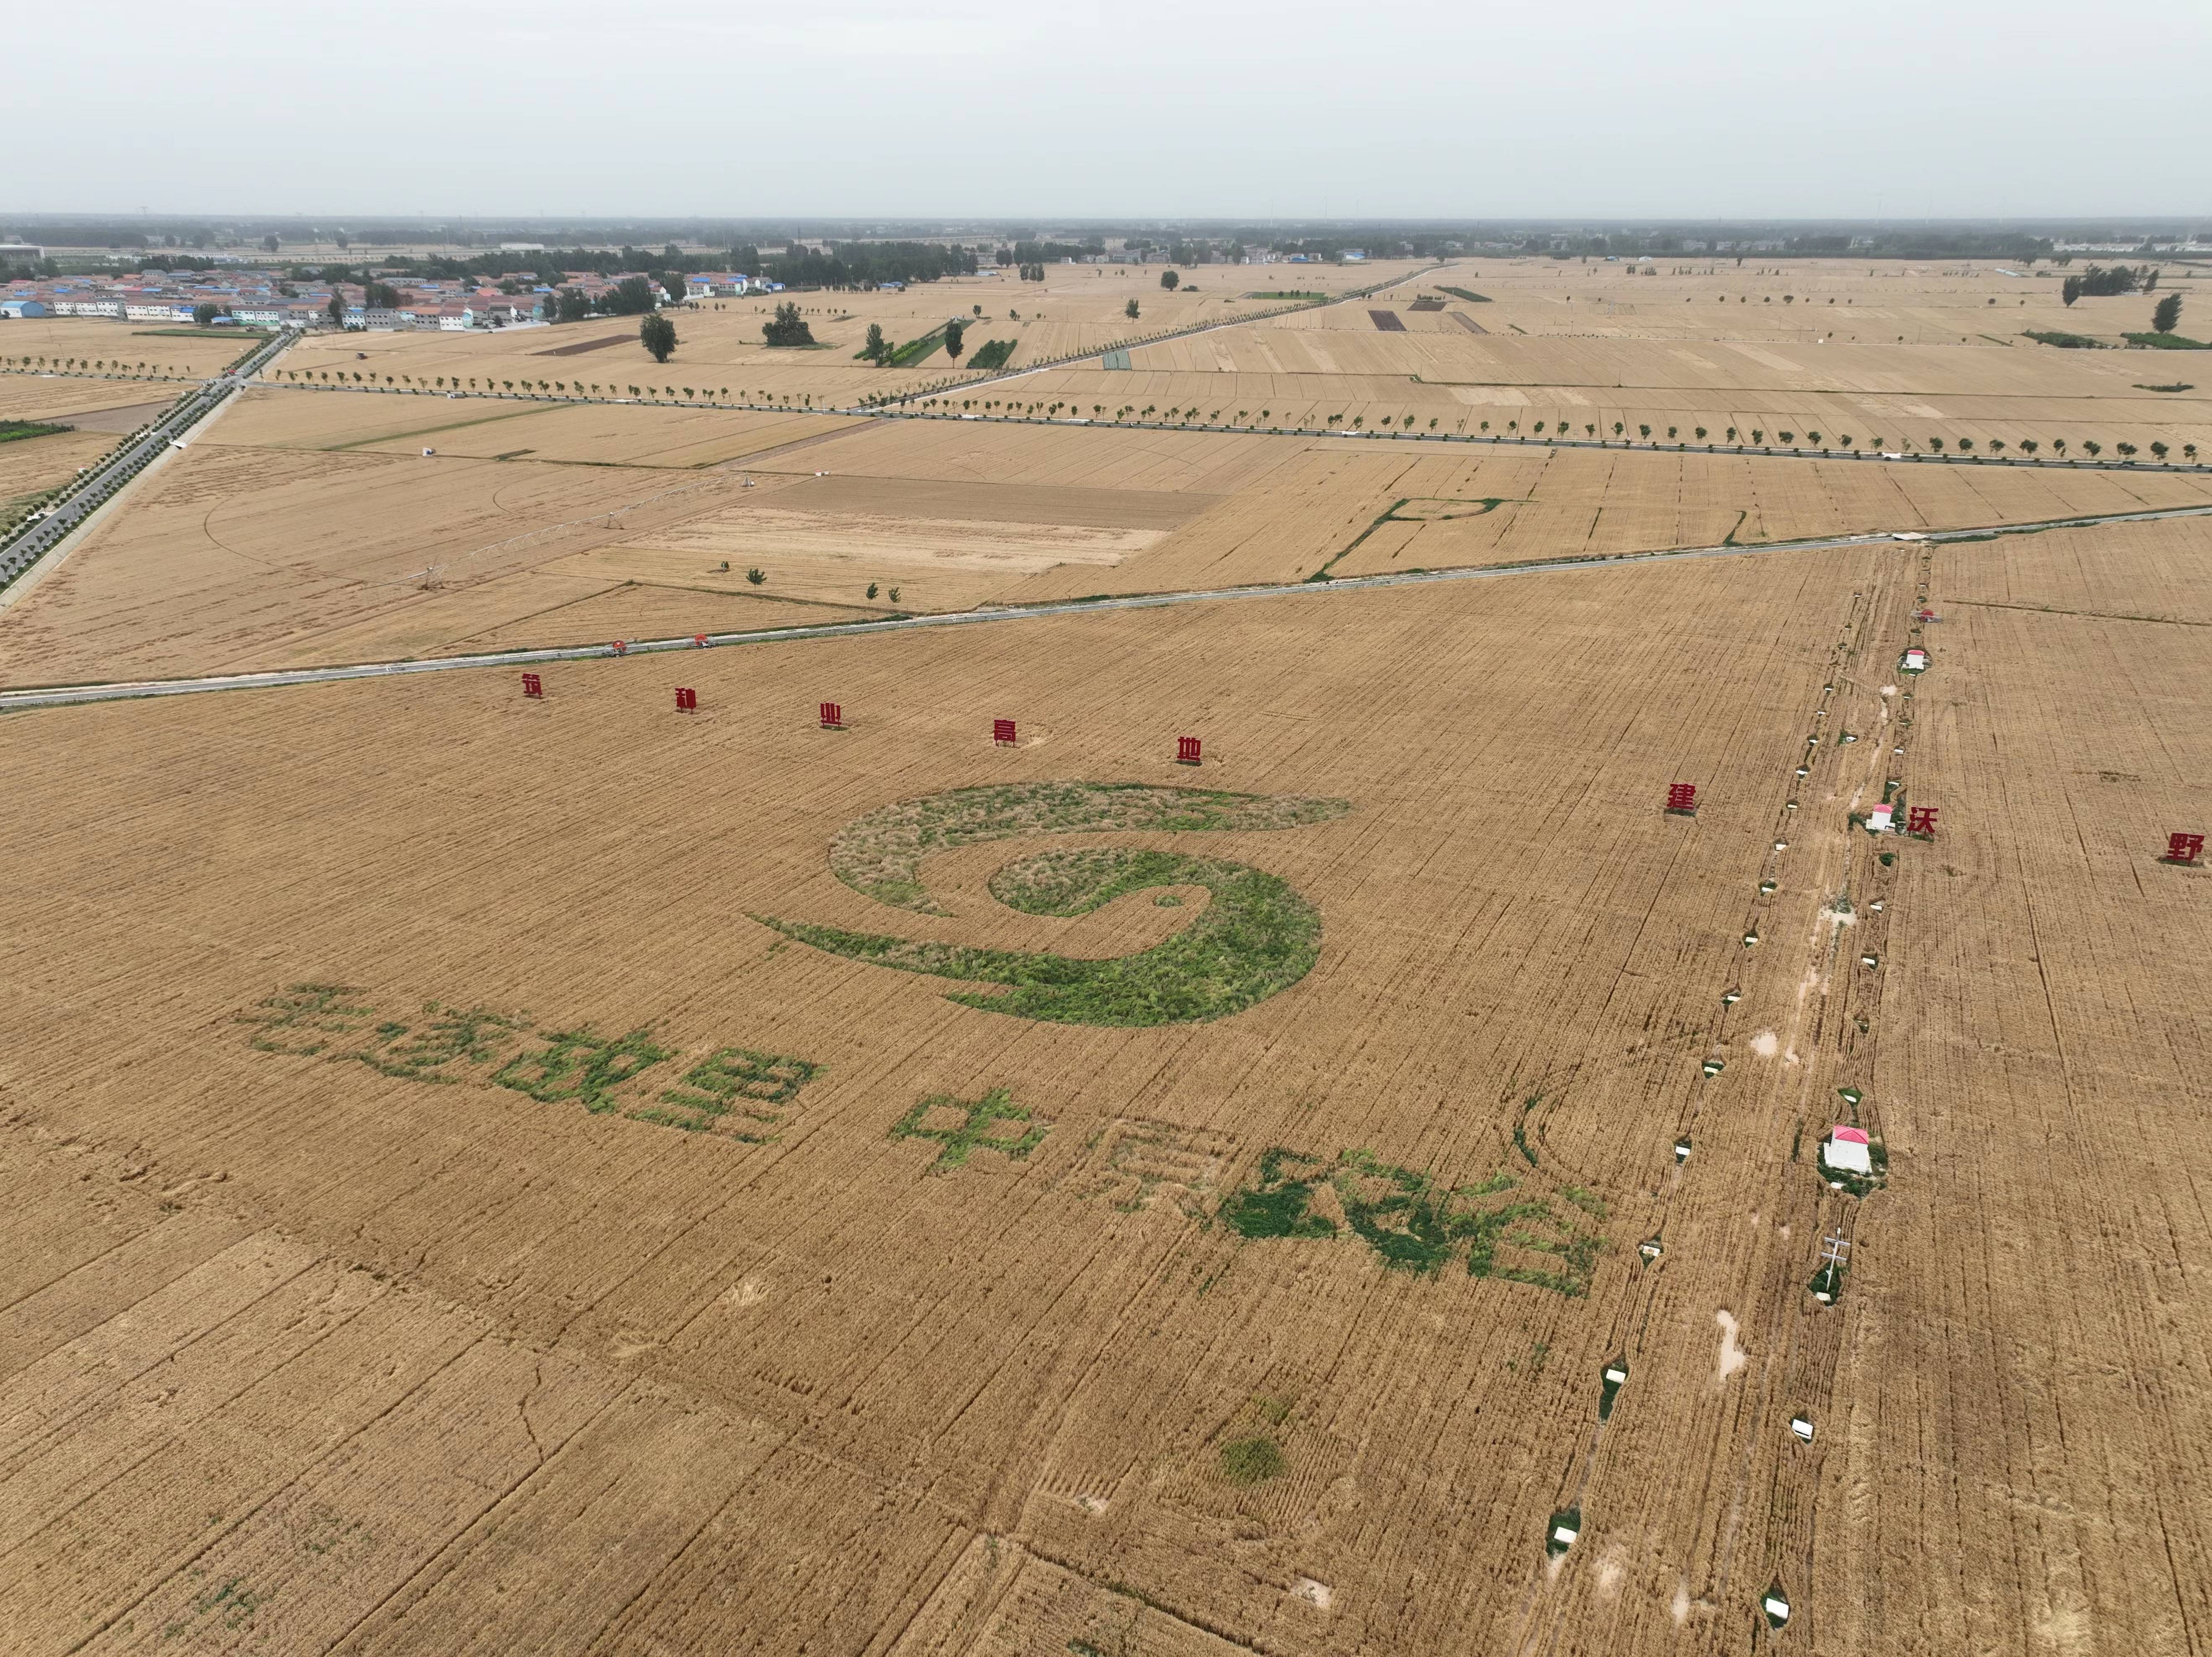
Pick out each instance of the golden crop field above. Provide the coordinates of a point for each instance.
(582, 1172)
(63, 397)
(696, 1250)
(30, 466)
(151, 348)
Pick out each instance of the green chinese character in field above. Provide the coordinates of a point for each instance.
(1415, 1225)
(961, 1125)
(724, 1092)
(452, 1036)
(309, 1015)
(583, 1067)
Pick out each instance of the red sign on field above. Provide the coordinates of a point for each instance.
(532, 685)
(1920, 820)
(1002, 733)
(832, 717)
(1682, 796)
(687, 700)
(2184, 848)
(1186, 750)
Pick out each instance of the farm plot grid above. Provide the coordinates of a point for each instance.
(737, 1277)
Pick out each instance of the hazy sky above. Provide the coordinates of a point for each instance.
(1216, 108)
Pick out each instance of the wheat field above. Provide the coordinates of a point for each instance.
(577, 1173)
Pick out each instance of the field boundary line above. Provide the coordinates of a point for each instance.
(32, 696)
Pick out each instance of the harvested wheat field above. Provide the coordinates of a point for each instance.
(497, 1174)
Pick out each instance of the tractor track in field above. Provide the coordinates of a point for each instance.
(36, 696)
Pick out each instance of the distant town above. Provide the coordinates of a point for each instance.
(253, 298)
(440, 277)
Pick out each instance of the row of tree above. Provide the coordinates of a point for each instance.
(869, 264)
(2100, 282)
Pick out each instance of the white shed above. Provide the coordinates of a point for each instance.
(1847, 1151)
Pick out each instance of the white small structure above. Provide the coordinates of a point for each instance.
(1802, 1427)
(1916, 660)
(1881, 820)
(1904, 535)
(1847, 1151)
(1776, 1609)
(1565, 1535)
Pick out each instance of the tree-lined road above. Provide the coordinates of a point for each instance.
(99, 485)
(69, 695)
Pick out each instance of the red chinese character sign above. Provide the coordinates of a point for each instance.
(1920, 820)
(532, 685)
(1186, 750)
(832, 717)
(687, 700)
(1002, 733)
(1682, 798)
(2184, 849)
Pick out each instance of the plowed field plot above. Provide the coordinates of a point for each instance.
(494, 1173)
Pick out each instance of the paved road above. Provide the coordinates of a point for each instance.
(67, 696)
(97, 486)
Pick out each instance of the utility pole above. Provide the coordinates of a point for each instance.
(1835, 1256)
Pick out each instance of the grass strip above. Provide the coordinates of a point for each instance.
(916, 351)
